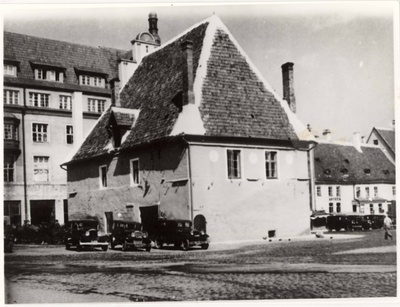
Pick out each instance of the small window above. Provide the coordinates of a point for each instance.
(319, 191)
(69, 134)
(362, 208)
(49, 75)
(327, 172)
(9, 168)
(271, 164)
(347, 161)
(65, 102)
(380, 208)
(10, 131)
(10, 70)
(338, 207)
(330, 207)
(367, 171)
(376, 142)
(358, 192)
(96, 105)
(234, 164)
(371, 208)
(41, 170)
(338, 192)
(367, 192)
(11, 97)
(344, 172)
(354, 208)
(135, 180)
(330, 191)
(375, 191)
(394, 191)
(40, 133)
(103, 176)
(39, 99)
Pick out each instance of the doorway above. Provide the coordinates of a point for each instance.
(42, 211)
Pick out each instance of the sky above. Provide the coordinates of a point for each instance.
(343, 53)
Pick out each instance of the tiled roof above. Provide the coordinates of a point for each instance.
(30, 50)
(336, 163)
(389, 136)
(232, 100)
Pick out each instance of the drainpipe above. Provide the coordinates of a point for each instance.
(190, 179)
(24, 157)
(310, 161)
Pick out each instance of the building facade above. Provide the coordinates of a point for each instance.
(385, 138)
(198, 134)
(54, 92)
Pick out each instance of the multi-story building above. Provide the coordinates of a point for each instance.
(54, 92)
(353, 177)
(198, 134)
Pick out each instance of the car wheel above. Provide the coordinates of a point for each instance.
(112, 243)
(79, 247)
(67, 246)
(205, 246)
(124, 247)
(158, 243)
(337, 229)
(148, 248)
(104, 248)
(185, 245)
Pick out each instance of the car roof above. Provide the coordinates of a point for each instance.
(126, 222)
(80, 221)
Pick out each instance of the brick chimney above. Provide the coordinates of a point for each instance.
(115, 88)
(288, 89)
(187, 51)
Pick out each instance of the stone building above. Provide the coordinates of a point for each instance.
(54, 92)
(197, 133)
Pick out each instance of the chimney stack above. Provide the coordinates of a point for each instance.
(288, 89)
(115, 88)
(357, 140)
(327, 134)
(153, 26)
(187, 50)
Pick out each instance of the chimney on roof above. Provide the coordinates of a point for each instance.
(115, 88)
(288, 88)
(153, 26)
(393, 125)
(327, 134)
(187, 50)
(357, 140)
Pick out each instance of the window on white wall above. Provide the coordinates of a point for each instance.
(367, 192)
(10, 97)
(375, 191)
(9, 161)
(330, 191)
(338, 207)
(69, 133)
(10, 70)
(96, 105)
(234, 164)
(103, 176)
(40, 133)
(271, 164)
(135, 180)
(394, 191)
(338, 192)
(358, 192)
(380, 208)
(41, 169)
(10, 131)
(319, 191)
(39, 99)
(65, 102)
(371, 208)
(330, 207)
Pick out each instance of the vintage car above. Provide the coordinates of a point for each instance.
(129, 235)
(84, 234)
(354, 221)
(179, 233)
(375, 220)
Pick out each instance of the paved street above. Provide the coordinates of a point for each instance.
(358, 264)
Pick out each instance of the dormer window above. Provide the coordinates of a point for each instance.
(120, 123)
(92, 81)
(10, 70)
(367, 171)
(49, 74)
(344, 172)
(327, 172)
(347, 161)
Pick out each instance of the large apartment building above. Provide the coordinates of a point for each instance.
(54, 92)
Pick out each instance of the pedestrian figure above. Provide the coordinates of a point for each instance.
(387, 225)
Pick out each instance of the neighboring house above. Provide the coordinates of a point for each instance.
(198, 134)
(385, 138)
(353, 177)
(54, 92)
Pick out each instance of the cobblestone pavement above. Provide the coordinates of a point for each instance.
(262, 270)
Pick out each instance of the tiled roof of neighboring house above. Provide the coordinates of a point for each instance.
(230, 97)
(30, 50)
(335, 163)
(389, 136)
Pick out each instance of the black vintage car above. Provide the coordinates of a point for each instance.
(354, 221)
(129, 235)
(179, 233)
(84, 234)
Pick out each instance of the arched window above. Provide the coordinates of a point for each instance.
(200, 223)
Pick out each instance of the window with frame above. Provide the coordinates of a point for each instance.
(135, 180)
(338, 207)
(234, 164)
(41, 169)
(8, 168)
(367, 192)
(10, 70)
(354, 208)
(394, 191)
(84, 80)
(338, 192)
(10, 131)
(103, 176)
(371, 208)
(375, 191)
(49, 75)
(11, 97)
(358, 192)
(319, 191)
(65, 102)
(39, 99)
(91, 80)
(69, 134)
(330, 207)
(362, 208)
(380, 208)
(12, 209)
(330, 191)
(271, 164)
(40, 133)
(96, 105)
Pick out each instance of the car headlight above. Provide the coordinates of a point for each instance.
(145, 234)
(87, 233)
(202, 233)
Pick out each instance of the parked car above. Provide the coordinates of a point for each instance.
(338, 222)
(353, 221)
(376, 220)
(179, 233)
(130, 235)
(84, 234)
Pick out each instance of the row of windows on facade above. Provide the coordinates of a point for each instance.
(56, 76)
(41, 168)
(233, 160)
(362, 208)
(42, 100)
(40, 133)
(358, 191)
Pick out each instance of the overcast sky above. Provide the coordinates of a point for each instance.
(342, 53)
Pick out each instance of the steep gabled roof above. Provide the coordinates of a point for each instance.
(388, 135)
(231, 98)
(30, 50)
(336, 164)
